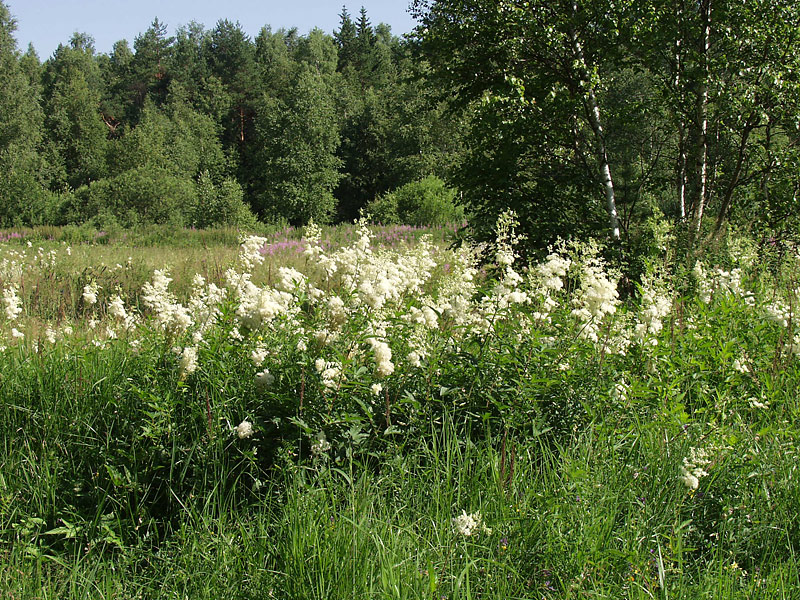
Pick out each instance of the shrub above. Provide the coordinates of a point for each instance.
(220, 205)
(139, 196)
(23, 201)
(427, 201)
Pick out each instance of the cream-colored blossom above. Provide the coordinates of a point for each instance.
(244, 430)
(468, 525)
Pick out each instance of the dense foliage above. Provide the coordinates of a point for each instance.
(591, 116)
(387, 419)
(288, 127)
(597, 397)
(587, 118)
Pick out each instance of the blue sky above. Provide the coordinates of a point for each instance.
(48, 23)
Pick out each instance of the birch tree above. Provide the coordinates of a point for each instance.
(528, 53)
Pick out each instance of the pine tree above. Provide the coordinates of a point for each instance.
(345, 40)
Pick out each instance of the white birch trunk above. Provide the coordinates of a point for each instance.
(593, 113)
(702, 118)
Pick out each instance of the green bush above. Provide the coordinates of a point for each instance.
(139, 196)
(24, 202)
(427, 201)
(221, 205)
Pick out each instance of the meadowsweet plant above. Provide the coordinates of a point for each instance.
(12, 302)
(343, 409)
(694, 467)
(468, 525)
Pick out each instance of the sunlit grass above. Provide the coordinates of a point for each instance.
(123, 474)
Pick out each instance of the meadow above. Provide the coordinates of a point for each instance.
(368, 412)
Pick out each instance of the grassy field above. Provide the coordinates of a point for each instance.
(367, 413)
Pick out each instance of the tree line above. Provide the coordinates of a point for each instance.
(211, 127)
(587, 117)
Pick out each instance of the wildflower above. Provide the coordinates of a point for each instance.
(694, 467)
(290, 279)
(250, 251)
(15, 333)
(259, 355)
(704, 287)
(170, 315)
(597, 298)
(779, 313)
(12, 302)
(620, 391)
(376, 388)
(741, 365)
(116, 308)
(329, 372)
(383, 357)
(90, 292)
(468, 525)
(655, 305)
(336, 309)
(321, 446)
(188, 362)
(244, 430)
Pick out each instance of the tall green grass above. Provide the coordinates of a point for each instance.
(122, 476)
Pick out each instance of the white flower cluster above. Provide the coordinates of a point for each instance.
(383, 357)
(457, 288)
(258, 306)
(170, 315)
(694, 467)
(291, 280)
(550, 275)
(13, 302)
(204, 304)
(329, 372)
(469, 525)
(45, 259)
(321, 446)
(720, 280)
(596, 298)
(13, 265)
(655, 305)
(740, 364)
(90, 292)
(704, 286)
(778, 312)
(264, 379)
(729, 281)
(117, 310)
(188, 362)
(250, 251)
(244, 430)
(259, 354)
(552, 271)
